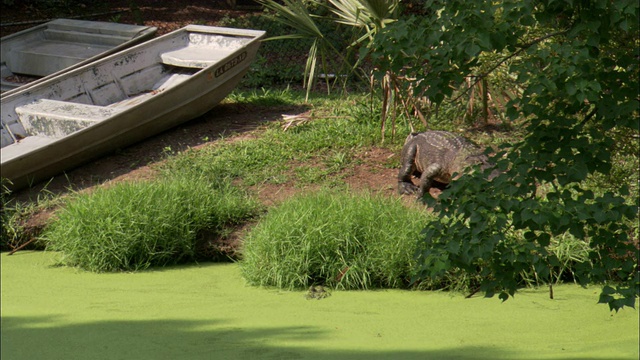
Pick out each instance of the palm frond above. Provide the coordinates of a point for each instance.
(294, 14)
(310, 70)
(380, 10)
(350, 12)
(365, 13)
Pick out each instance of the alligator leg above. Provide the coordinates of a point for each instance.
(426, 179)
(405, 185)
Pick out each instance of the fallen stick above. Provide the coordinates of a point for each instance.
(22, 246)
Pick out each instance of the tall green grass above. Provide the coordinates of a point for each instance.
(8, 224)
(349, 241)
(131, 226)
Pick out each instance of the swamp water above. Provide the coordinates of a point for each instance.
(206, 311)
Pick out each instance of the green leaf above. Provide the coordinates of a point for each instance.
(472, 50)
(453, 247)
(577, 172)
(600, 216)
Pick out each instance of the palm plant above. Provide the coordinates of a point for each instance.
(364, 17)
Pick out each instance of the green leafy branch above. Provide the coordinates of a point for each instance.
(579, 79)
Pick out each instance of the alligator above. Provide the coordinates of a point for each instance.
(436, 156)
(317, 292)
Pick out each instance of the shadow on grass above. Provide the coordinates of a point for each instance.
(36, 338)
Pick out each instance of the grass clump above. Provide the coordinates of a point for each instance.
(131, 226)
(8, 227)
(349, 241)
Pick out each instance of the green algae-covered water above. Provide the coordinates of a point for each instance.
(207, 311)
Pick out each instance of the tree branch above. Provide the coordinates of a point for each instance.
(589, 116)
(520, 49)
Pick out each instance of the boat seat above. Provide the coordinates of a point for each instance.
(193, 57)
(56, 119)
(46, 57)
(64, 42)
(24, 146)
